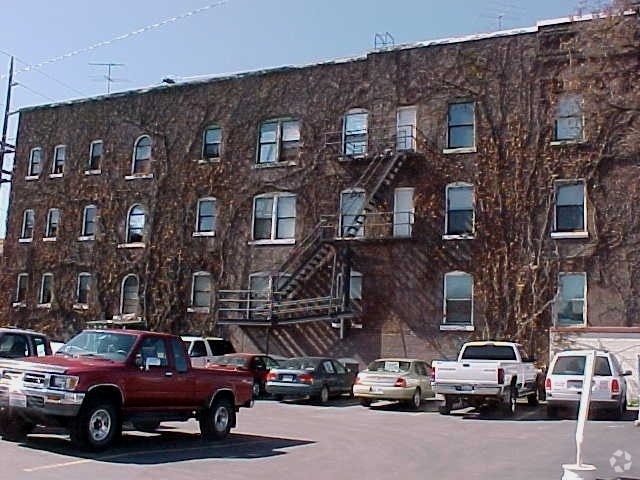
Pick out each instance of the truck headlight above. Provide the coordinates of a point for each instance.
(63, 382)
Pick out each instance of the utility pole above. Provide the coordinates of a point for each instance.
(4, 146)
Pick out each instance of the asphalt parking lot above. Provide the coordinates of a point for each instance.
(343, 440)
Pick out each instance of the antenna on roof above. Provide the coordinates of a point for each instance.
(383, 40)
(108, 76)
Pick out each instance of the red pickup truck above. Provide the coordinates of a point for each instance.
(102, 378)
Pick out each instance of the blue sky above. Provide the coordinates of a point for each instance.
(226, 36)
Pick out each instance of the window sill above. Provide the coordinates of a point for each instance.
(560, 327)
(19, 305)
(208, 161)
(56, 175)
(132, 245)
(468, 236)
(92, 172)
(139, 176)
(284, 241)
(80, 306)
(25, 240)
(569, 234)
(43, 305)
(561, 143)
(198, 310)
(203, 234)
(49, 239)
(87, 238)
(449, 151)
(259, 166)
(458, 328)
(30, 178)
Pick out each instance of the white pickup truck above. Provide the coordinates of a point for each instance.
(486, 373)
(203, 350)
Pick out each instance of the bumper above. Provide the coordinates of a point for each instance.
(383, 392)
(469, 390)
(40, 403)
(292, 389)
(573, 400)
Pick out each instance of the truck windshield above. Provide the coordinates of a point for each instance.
(488, 352)
(112, 346)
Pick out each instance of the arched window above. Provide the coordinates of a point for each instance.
(355, 132)
(135, 224)
(142, 155)
(129, 298)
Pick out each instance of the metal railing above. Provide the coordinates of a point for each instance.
(373, 141)
(376, 225)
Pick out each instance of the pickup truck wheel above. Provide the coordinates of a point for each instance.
(146, 425)
(509, 402)
(15, 429)
(96, 427)
(445, 408)
(216, 423)
(365, 402)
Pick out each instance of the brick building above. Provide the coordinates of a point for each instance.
(474, 187)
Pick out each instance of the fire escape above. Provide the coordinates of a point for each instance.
(323, 254)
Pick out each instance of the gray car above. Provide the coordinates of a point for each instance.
(316, 377)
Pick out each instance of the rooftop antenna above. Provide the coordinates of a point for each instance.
(108, 76)
(383, 40)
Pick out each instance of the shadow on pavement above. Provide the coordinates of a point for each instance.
(527, 413)
(167, 446)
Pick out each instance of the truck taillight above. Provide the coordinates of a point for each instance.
(433, 374)
(615, 386)
(501, 376)
(357, 380)
(400, 382)
(271, 377)
(305, 378)
(547, 384)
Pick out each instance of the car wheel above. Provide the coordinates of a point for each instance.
(96, 427)
(365, 402)
(216, 422)
(618, 413)
(323, 396)
(255, 389)
(416, 400)
(509, 402)
(146, 425)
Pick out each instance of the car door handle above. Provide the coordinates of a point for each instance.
(168, 374)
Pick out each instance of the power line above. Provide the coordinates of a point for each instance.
(121, 37)
(34, 91)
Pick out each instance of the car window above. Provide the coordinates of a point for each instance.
(178, 355)
(41, 346)
(259, 362)
(339, 368)
(220, 347)
(271, 363)
(328, 366)
(602, 368)
(199, 349)
(393, 366)
(569, 365)
(488, 352)
(420, 369)
(13, 345)
(153, 347)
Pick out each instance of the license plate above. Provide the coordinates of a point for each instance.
(375, 391)
(574, 383)
(287, 378)
(17, 399)
(464, 388)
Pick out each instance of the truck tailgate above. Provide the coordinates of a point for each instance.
(467, 372)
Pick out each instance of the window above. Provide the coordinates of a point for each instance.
(35, 162)
(206, 216)
(355, 132)
(352, 213)
(201, 290)
(403, 212)
(406, 129)
(46, 289)
(211, 141)
(84, 287)
(129, 299)
(355, 285)
(179, 358)
(570, 307)
(568, 125)
(260, 286)
(21, 288)
(459, 219)
(28, 219)
(142, 156)
(53, 222)
(135, 224)
(59, 157)
(274, 216)
(570, 214)
(458, 295)
(89, 221)
(279, 141)
(461, 125)
(95, 156)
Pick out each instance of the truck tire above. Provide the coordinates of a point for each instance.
(445, 408)
(365, 402)
(97, 426)
(216, 422)
(15, 428)
(509, 402)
